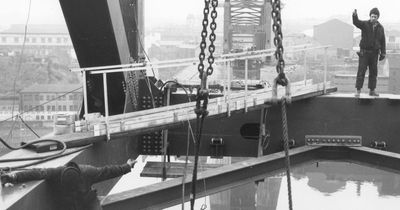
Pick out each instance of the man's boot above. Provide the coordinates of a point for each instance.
(358, 92)
(373, 93)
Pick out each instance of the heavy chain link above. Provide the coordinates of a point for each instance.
(212, 37)
(213, 27)
(277, 29)
(204, 34)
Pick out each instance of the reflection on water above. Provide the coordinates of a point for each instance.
(338, 185)
(320, 186)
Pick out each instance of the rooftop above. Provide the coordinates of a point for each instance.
(36, 29)
(52, 88)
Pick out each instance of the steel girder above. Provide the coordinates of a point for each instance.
(168, 193)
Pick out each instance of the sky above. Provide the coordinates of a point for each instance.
(49, 12)
(295, 9)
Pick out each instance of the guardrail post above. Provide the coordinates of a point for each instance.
(85, 101)
(106, 103)
(246, 72)
(305, 67)
(325, 67)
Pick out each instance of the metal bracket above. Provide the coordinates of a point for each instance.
(333, 140)
(218, 145)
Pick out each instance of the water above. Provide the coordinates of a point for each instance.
(317, 186)
(338, 185)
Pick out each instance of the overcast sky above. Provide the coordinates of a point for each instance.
(49, 12)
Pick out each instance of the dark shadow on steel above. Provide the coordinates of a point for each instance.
(168, 193)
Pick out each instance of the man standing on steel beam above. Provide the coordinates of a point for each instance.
(72, 183)
(372, 48)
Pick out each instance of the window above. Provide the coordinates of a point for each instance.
(42, 117)
(16, 39)
(34, 40)
(47, 98)
(37, 117)
(71, 108)
(65, 40)
(41, 97)
(48, 117)
(49, 40)
(48, 108)
(53, 108)
(59, 107)
(3, 39)
(71, 97)
(43, 40)
(58, 39)
(37, 97)
(392, 39)
(64, 108)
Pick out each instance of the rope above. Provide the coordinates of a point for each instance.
(286, 147)
(200, 123)
(20, 57)
(29, 127)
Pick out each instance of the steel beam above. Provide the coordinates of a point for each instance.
(168, 193)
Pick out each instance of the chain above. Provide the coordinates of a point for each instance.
(213, 27)
(282, 80)
(212, 37)
(286, 148)
(204, 34)
(277, 29)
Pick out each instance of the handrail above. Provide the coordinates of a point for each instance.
(226, 58)
(188, 61)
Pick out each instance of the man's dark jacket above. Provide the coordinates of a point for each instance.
(84, 195)
(371, 39)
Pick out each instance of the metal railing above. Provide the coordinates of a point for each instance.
(224, 60)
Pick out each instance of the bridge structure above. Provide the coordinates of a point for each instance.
(246, 122)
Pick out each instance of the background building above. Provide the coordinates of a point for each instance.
(41, 40)
(41, 102)
(336, 33)
(6, 106)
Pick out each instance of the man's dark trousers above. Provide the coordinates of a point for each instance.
(368, 58)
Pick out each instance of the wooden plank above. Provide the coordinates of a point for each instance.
(174, 170)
